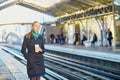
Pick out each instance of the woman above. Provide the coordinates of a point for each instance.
(32, 50)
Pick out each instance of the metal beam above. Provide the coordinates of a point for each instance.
(89, 13)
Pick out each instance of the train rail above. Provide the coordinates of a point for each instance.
(75, 70)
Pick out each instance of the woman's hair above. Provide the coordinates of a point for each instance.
(30, 33)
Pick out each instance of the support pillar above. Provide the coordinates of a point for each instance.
(116, 10)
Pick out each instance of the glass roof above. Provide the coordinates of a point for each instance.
(20, 14)
(44, 3)
(117, 2)
(2, 1)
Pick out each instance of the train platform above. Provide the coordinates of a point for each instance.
(105, 53)
(10, 68)
(104, 60)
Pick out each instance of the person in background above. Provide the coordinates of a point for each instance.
(52, 37)
(33, 50)
(66, 37)
(62, 38)
(94, 39)
(76, 38)
(84, 38)
(58, 38)
(109, 37)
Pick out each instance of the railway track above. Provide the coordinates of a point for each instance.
(88, 70)
(73, 70)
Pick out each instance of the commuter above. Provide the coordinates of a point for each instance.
(76, 38)
(52, 37)
(94, 39)
(109, 37)
(32, 50)
(62, 39)
(84, 38)
(54, 41)
(58, 38)
(66, 37)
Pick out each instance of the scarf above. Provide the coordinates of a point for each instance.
(35, 34)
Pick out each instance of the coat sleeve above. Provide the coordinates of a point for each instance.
(24, 47)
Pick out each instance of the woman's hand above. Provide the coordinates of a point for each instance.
(38, 49)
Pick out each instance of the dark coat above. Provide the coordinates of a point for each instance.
(94, 38)
(35, 61)
(109, 35)
(83, 39)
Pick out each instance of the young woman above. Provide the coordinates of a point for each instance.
(32, 50)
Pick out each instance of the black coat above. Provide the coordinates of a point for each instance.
(35, 61)
(94, 38)
(109, 35)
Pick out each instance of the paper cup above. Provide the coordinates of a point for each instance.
(36, 46)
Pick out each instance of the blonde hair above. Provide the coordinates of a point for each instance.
(30, 33)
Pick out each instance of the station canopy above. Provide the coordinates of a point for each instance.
(61, 7)
(54, 8)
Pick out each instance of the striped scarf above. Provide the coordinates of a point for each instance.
(35, 34)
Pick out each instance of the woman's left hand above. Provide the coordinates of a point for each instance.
(38, 49)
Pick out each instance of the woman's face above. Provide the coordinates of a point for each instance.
(36, 27)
